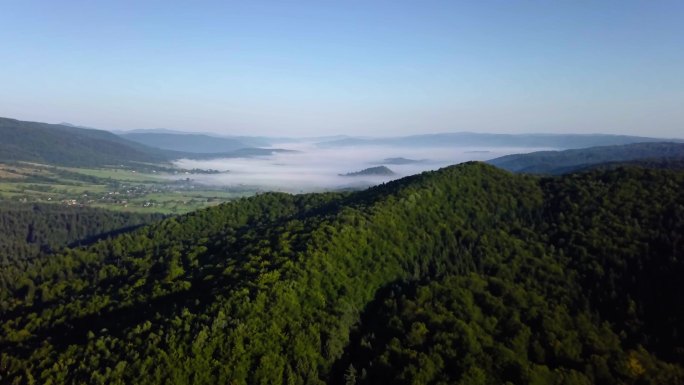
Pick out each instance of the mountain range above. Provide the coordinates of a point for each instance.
(70, 145)
(470, 139)
(559, 162)
(195, 143)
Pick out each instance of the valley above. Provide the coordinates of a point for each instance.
(292, 266)
(147, 188)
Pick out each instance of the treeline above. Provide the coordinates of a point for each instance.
(464, 275)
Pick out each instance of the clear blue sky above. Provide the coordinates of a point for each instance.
(355, 67)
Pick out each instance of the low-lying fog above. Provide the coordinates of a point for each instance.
(312, 168)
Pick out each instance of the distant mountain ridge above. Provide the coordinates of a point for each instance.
(560, 162)
(197, 143)
(470, 139)
(69, 145)
(248, 152)
(401, 160)
(259, 141)
(158, 137)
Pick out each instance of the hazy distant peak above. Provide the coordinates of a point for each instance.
(67, 124)
(559, 162)
(469, 139)
(156, 131)
(377, 171)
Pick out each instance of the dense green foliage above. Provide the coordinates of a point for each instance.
(587, 309)
(464, 275)
(30, 232)
(28, 229)
(479, 329)
(622, 234)
(561, 162)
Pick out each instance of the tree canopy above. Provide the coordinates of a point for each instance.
(468, 275)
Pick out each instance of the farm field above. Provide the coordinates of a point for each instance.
(148, 188)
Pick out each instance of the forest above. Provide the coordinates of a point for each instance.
(465, 275)
(28, 229)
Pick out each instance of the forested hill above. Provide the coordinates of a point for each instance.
(29, 229)
(69, 146)
(468, 275)
(560, 162)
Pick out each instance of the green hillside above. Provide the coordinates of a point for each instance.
(69, 146)
(560, 162)
(467, 275)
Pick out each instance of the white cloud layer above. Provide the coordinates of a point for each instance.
(317, 169)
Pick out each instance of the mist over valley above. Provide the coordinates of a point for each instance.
(315, 168)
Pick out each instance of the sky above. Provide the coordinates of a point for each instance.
(373, 68)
